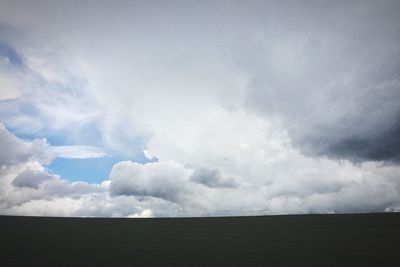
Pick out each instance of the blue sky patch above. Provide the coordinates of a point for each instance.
(11, 54)
(94, 170)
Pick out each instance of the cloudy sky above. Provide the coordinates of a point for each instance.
(199, 108)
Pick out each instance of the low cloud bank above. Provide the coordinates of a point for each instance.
(172, 189)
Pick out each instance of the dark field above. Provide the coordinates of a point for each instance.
(298, 240)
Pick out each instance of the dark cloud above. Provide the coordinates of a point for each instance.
(335, 84)
(384, 146)
(165, 180)
(31, 179)
(327, 72)
(366, 127)
(211, 178)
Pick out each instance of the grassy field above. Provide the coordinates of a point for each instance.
(297, 240)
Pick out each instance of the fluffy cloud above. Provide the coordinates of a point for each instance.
(330, 79)
(248, 108)
(27, 188)
(334, 83)
(24, 179)
(31, 179)
(165, 180)
(211, 178)
(15, 150)
(168, 188)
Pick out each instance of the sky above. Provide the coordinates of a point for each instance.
(199, 108)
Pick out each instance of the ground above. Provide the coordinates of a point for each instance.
(293, 240)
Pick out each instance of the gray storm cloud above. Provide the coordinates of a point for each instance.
(247, 107)
(333, 79)
(329, 71)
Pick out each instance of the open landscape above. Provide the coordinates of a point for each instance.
(199, 133)
(295, 240)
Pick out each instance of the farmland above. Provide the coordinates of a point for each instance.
(294, 240)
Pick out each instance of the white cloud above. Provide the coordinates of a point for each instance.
(144, 214)
(289, 183)
(78, 152)
(15, 150)
(224, 103)
(8, 90)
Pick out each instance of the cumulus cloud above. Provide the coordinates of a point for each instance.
(144, 214)
(248, 108)
(166, 180)
(211, 178)
(168, 188)
(334, 83)
(29, 178)
(15, 150)
(27, 188)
